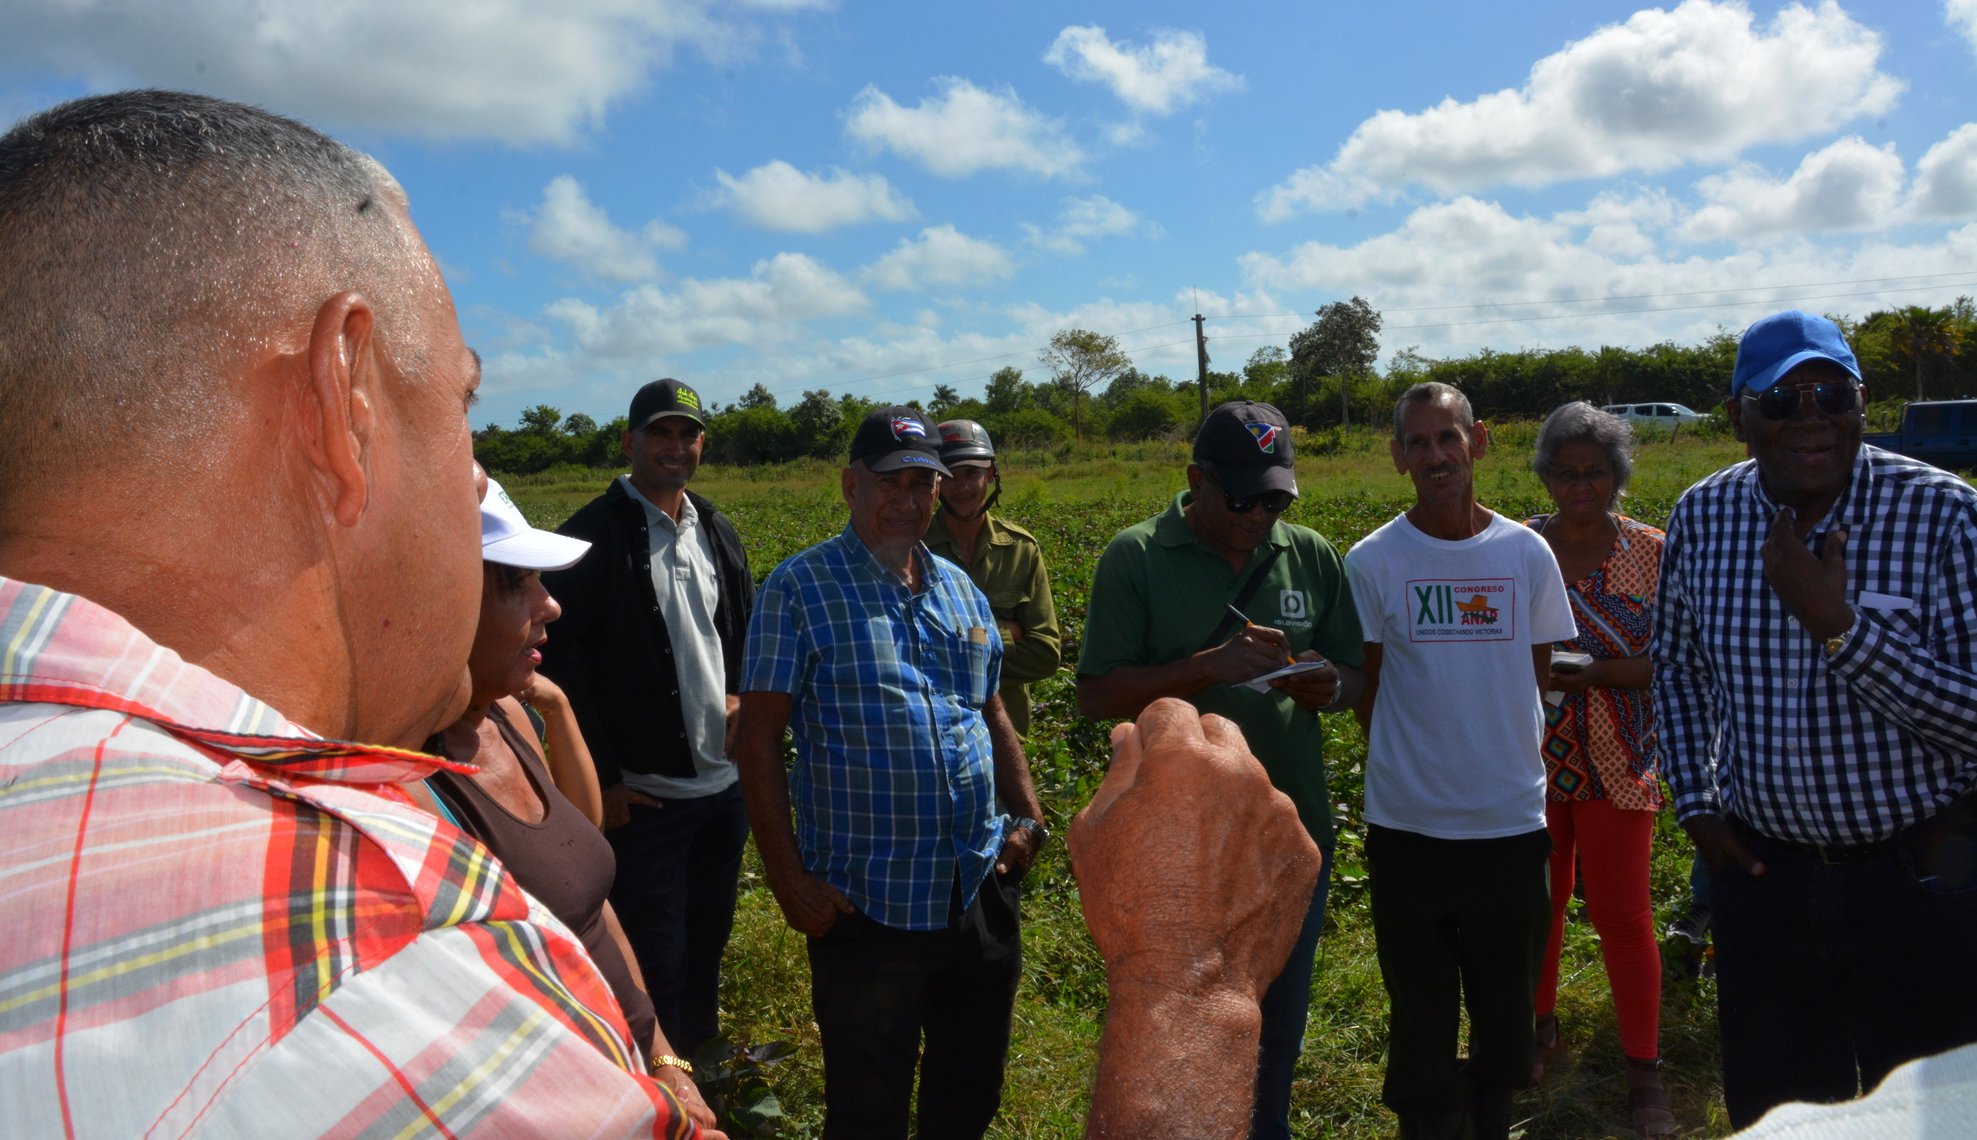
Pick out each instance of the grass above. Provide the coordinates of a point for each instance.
(1074, 499)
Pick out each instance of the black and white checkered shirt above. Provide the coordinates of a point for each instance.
(1832, 751)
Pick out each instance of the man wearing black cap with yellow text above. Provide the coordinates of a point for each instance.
(1815, 653)
(883, 661)
(1202, 602)
(649, 651)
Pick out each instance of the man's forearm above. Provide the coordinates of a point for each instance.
(765, 793)
(1013, 785)
(1040, 651)
(1174, 1061)
(1126, 690)
(1033, 656)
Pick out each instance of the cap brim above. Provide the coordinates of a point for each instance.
(535, 550)
(680, 412)
(1763, 381)
(1242, 482)
(905, 457)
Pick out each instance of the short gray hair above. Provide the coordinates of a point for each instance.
(1580, 422)
(153, 242)
(1434, 392)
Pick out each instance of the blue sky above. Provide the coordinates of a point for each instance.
(878, 198)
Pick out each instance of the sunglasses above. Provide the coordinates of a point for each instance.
(1272, 502)
(1779, 401)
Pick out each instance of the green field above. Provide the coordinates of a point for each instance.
(1074, 500)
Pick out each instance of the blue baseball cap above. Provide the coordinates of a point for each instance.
(1783, 341)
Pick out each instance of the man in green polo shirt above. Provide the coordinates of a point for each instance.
(1162, 622)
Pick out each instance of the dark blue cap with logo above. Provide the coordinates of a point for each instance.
(896, 437)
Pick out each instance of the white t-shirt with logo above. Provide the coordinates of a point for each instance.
(1457, 723)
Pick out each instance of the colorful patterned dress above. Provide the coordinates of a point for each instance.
(1600, 743)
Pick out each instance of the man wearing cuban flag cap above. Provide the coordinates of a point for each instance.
(902, 867)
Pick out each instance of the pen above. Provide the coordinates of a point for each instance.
(1248, 624)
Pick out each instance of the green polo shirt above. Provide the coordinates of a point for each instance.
(1157, 595)
(1008, 567)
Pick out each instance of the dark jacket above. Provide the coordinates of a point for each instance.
(611, 651)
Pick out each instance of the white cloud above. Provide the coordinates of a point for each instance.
(569, 227)
(1086, 219)
(1946, 178)
(963, 130)
(941, 255)
(510, 70)
(1962, 16)
(1700, 83)
(1158, 79)
(778, 196)
(1622, 224)
(763, 307)
(1850, 185)
(1551, 285)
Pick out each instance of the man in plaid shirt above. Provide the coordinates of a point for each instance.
(902, 867)
(236, 471)
(1818, 608)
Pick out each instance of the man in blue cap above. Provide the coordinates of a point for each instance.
(1815, 660)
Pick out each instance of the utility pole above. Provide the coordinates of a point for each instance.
(1201, 363)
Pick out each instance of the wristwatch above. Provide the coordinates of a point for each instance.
(1039, 834)
(1839, 640)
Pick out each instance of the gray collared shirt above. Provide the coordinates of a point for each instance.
(684, 582)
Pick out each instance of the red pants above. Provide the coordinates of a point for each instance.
(1611, 848)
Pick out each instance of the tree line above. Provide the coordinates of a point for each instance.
(1323, 378)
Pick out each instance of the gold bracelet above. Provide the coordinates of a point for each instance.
(667, 1060)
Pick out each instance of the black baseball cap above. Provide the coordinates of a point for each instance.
(1246, 448)
(896, 437)
(666, 397)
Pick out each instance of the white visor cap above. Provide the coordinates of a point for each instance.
(508, 539)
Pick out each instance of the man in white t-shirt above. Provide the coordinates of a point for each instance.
(1459, 606)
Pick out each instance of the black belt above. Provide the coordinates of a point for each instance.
(1821, 852)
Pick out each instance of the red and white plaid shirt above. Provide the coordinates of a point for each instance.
(212, 921)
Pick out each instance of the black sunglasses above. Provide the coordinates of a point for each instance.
(1272, 502)
(1779, 401)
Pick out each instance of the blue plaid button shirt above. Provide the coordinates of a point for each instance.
(894, 783)
(1840, 750)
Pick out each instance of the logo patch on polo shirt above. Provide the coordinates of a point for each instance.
(1293, 609)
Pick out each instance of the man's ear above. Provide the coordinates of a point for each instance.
(847, 482)
(1479, 440)
(343, 382)
(1734, 408)
(625, 443)
(1400, 456)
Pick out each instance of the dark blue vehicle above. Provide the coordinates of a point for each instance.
(1940, 432)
